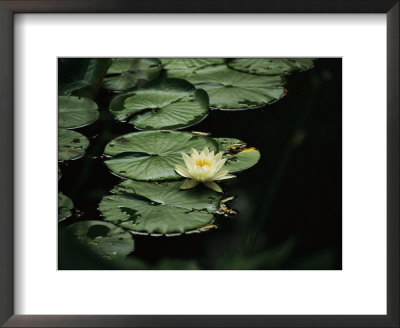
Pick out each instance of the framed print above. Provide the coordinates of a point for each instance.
(209, 164)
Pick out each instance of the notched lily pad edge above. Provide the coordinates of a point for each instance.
(201, 229)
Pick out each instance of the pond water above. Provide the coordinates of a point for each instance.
(289, 203)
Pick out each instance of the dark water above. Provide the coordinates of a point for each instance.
(289, 204)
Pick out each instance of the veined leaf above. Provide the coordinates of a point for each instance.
(104, 238)
(184, 67)
(71, 145)
(152, 155)
(74, 112)
(238, 156)
(232, 90)
(65, 206)
(271, 66)
(165, 104)
(152, 208)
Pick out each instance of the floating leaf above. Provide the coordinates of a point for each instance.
(74, 112)
(65, 206)
(184, 67)
(238, 156)
(126, 73)
(103, 238)
(168, 193)
(271, 66)
(71, 145)
(159, 208)
(81, 76)
(152, 155)
(230, 89)
(165, 104)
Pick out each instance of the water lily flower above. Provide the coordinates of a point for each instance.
(203, 168)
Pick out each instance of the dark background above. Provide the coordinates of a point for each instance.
(289, 205)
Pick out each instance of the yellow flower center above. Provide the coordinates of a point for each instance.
(202, 162)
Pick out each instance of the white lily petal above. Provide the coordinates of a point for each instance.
(220, 174)
(183, 171)
(228, 176)
(218, 156)
(220, 164)
(188, 161)
(189, 184)
(212, 185)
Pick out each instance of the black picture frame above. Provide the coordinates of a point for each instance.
(10, 7)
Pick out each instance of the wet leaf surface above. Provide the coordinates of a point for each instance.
(74, 112)
(230, 89)
(103, 238)
(162, 208)
(238, 155)
(184, 67)
(271, 66)
(152, 155)
(71, 145)
(165, 104)
(65, 206)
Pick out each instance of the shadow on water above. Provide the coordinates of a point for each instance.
(289, 204)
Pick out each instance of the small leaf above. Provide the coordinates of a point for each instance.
(65, 206)
(71, 145)
(74, 112)
(238, 156)
(105, 239)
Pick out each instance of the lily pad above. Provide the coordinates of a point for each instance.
(271, 66)
(152, 155)
(65, 206)
(184, 67)
(81, 76)
(127, 73)
(168, 193)
(238, 156)
(74, 112)
(165, 104)
(71, 145)
(103, 238)
(152, 208)
(232, 90)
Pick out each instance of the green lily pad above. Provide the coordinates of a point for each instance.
(152, 155)
(103, 238)
(74, 112)
(271, 66)
(152, 208)
(71, 145)
(165, 104)
(168, 193)
(127, 73)
(232, 90)
(81, 76)
(238, 156)
(65, 206)
(184, 67)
